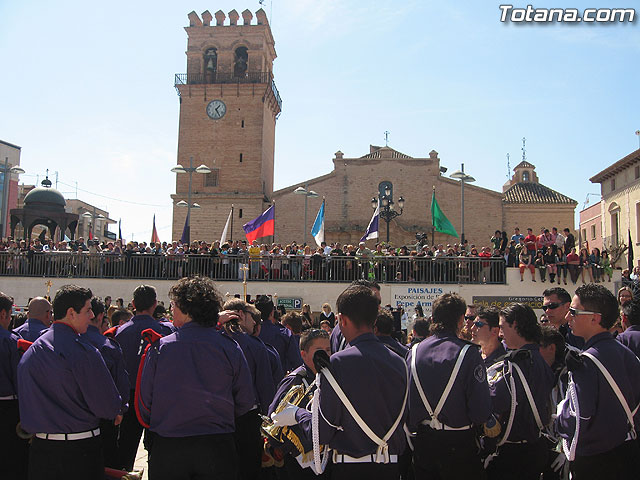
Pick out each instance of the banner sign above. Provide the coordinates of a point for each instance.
(501, 302)
(410, 296)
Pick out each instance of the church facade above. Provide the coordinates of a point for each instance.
(228, 110)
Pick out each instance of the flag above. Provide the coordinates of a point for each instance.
(154, 233)
(372, 229)
(261, 226)
(318, 226)
(90, 235)
(223, 238)
(440, 222)
(120, 229)
(186, 231)
(630, 254)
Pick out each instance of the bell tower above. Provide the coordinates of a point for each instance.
(229, 104)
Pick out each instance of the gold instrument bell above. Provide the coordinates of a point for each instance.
(284, 435)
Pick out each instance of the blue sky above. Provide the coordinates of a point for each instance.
(87, 91)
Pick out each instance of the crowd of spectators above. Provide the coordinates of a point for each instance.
(551, 254)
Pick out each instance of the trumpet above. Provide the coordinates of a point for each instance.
(295, 396)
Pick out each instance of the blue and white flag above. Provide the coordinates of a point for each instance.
(318, 226)
(372, 229)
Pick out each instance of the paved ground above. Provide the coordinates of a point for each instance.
(141, 461)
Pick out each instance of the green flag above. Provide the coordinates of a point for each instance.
(440, 222)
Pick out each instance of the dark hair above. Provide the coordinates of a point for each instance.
(97, 306)
(235, 304)
(359, 304)
(265, 305)
(198, 298)
(631, 310)
(559, 292)
(308, 336)
(490, 314)
(419, 310)
(421, 327)
(6, 302)
(366, 283)
(70, 296)
(144, 297)
(293, 320)
(119, 314)
(446, 311)
(549, 335)
(597, 298)
(159, 312)
(524, 318)
(384, 322)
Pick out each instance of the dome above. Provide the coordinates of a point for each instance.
(45, 195)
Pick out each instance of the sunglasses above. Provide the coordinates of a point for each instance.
(469, 317)
(574, 312)
(480, 324)
(551, 306)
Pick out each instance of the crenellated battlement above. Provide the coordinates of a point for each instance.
(205, 18)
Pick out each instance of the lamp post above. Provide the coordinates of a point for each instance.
(307, 194)
(387, 206)
(463, 177)
(7, 171)
(203, 169)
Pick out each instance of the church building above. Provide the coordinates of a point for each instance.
(229, 105)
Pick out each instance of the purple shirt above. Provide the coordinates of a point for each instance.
(113, 358)
(603, 424)
(64, 385)
(540, 379)
(31, 329)
(394, 345)
(366, 366)
(9, 358)
(130, 340)
(337, 340)
(280, 337)
(630, 338)
(257, 358)
(195, 382)
(468, 402)
(496, 355)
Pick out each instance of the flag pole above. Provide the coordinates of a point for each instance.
(231, 240)
(273, 238)
(433, 225)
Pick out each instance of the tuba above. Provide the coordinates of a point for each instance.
(298, 395)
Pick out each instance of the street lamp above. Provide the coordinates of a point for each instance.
(5, 191)
(307, 194)
(387, 206)
(203, 169)
(463, 177)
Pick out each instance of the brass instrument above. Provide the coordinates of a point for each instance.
(295, 396)
(21, 433)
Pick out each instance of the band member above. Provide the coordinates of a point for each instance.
(485, 331)
(193, 385)
(338, 341)
(448, 396)
(39, 320)
(296, 464)
(133, 345)
(598, 419)
(64, 389)
(520, 393)
(363, 429)
(14, 449)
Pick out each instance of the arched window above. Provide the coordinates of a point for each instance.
(241, 62)
(210, 63)
(525, 176)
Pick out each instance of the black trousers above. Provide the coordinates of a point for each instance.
(109, 434)
(15, 451)
(249, 445)
(446, 455)
(66, 459)
(621, 463)
(130, 434)
(365, 471)
(524, 461)
(201, 457)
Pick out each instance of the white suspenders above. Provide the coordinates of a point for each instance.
(434, 422)
(382, 454)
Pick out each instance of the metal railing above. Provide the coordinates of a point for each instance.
(228, 77)
(315, 268)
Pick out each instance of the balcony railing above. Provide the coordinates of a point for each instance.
(316, 268)
(228, 78)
